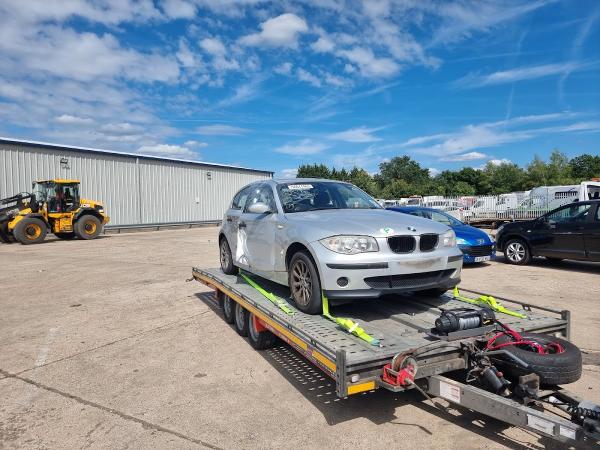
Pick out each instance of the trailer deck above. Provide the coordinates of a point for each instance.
(402, 324)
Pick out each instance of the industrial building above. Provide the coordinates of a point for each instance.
(135, 189)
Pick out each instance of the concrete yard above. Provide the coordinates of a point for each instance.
(104, 344)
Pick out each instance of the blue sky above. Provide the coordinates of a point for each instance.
(273, 85)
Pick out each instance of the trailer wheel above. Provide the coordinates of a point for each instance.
(30, 230)
(228, 307)
(561, 367)
(88, 227)
(241, 320)
(260, 340)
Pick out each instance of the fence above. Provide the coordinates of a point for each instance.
(495, 208)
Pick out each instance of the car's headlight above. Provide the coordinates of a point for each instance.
(460, 241)
(350, 245)
(448, 239)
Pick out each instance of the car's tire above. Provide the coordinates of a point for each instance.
(226, 258)
(516, 251)
(241, 320)
(65, 236)
(30, 230)
(260, 340)
(435, 292)
(553, 368)
(304, 283)
(88, 227)
(228, 307)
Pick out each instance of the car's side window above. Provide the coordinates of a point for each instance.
(569, 214)
(261, 193)
(240, 198)
(598, 213)
(440, 218)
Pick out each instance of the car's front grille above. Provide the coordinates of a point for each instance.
(428, 242)
(402, 244)
(409, 281)
(478, 250)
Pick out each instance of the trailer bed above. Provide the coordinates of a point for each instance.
(400, 323)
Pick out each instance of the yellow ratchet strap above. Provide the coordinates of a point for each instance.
(349, 325)
(489, 301)
(277, 301)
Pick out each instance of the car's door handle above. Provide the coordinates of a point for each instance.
(242, 225)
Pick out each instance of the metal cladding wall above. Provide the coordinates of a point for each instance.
(134, 190)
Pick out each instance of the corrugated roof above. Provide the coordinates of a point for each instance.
(7, 140)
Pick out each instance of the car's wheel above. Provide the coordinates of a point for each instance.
(88, 227)
(260, 340)
(562, 366)
(241, 320)
(227, 306)
(517, 252)
(65, 236)
(226, 258)
(305, 287)
(30, 230)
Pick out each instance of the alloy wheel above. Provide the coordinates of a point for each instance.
(515, 252)
(224, 255)
(301, 283)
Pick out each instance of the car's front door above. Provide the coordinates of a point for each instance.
(260, 230)
(564, 231)
(591, 235)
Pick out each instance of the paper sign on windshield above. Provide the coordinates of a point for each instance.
(299, 187)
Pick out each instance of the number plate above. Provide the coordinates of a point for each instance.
(482, 258)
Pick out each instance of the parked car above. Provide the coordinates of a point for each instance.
(314, 235)
(569, 232)
(475, 244)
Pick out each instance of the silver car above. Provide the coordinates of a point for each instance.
(328, 236)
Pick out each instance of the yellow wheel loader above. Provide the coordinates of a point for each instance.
(53, 206)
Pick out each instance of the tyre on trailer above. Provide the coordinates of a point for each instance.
(227, 306)
(304, 283)
(88, 227)
(65, 236)
(516, 251)
(553, 368)
(241, 320)
(30, 230)
(226, 257)
(259, 339)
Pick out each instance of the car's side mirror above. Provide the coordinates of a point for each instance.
(259, 208)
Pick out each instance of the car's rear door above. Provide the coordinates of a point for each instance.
(591, 235)
(565, 228)
(260, 230)
(232, 217)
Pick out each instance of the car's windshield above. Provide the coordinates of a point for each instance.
(316, 195)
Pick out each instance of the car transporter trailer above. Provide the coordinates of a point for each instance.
(402, 326)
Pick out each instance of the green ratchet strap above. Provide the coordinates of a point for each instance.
(280, 303)
(489, 301)
(349, 325)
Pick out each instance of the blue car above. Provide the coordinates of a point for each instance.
(475, 244)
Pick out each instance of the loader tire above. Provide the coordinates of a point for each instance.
(88, 227)
(30, 230)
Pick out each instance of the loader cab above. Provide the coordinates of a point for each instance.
(60, 196)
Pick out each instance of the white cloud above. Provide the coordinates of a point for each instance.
(304, 147)
(195, 144)
(283, 68)
(433, 172)
(178, 9)
(280, 31)
(218, 51)
(308, 77)
(323, 45)
(286, 174)
(499, 162)
(519, 74)
(173, 151)
(214, 46)
(68, 119)
(471, 156)
(360, 134)
(120, 129)
(186, 57)
(221, 130)
(369, 64)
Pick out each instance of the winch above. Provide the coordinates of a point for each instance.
(459, 319)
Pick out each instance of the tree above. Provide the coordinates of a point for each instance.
(313, 171)
(505, 177)
(585, 167)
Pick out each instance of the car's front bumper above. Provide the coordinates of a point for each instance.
(478, 253)
(370, 275)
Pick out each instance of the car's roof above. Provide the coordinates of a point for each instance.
(307, 180)
(414, 208)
